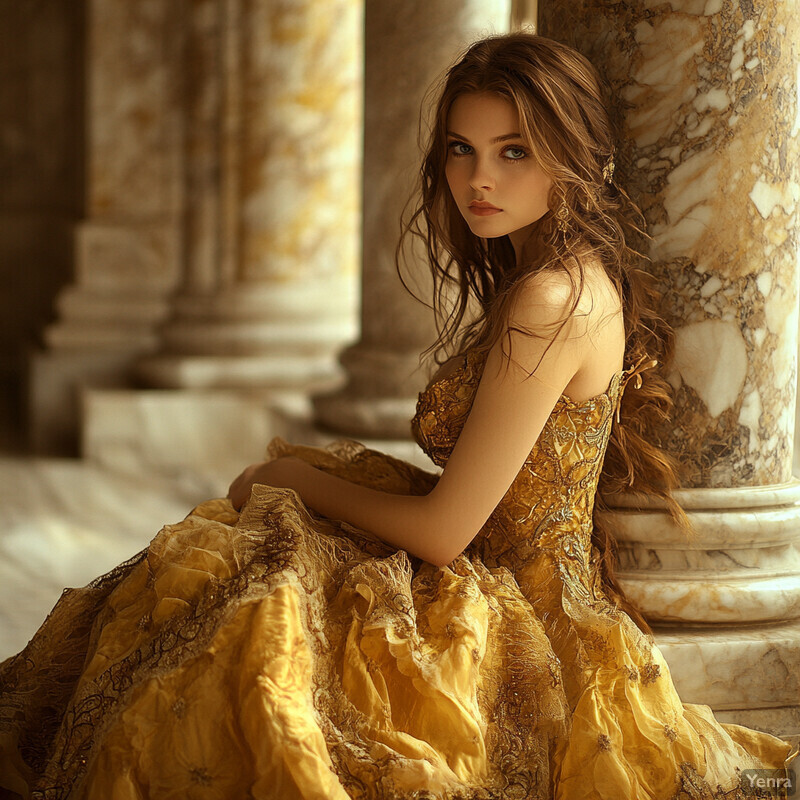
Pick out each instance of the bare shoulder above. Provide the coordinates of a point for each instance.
(561, 293)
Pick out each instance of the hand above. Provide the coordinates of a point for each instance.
(277, 473)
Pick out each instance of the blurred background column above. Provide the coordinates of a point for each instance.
(267, 286)
(272, 139)
(408, 44)
(125, 249)
(707, 104)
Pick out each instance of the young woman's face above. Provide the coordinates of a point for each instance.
(495, 180)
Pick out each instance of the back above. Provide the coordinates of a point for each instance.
(599, 316)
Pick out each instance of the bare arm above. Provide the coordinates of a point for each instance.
(403, 521)
(508, 413)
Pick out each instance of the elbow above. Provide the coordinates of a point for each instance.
(443, 555)
(435, 552)
(440, 562)
(446, 535)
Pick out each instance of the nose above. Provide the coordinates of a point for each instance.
(481, 177)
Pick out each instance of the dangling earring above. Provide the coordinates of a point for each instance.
(562, 215)
(608, 169)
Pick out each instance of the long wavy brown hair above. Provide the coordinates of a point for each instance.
(561, 102)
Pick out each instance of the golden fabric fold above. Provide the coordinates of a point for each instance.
(280, 654)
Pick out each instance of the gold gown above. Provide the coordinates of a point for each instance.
(280, 654)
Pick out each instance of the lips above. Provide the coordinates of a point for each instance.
(480, 208)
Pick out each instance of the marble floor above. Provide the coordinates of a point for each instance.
(63, 522)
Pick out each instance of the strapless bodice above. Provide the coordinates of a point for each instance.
(550, 502)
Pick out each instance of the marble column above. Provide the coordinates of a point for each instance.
(408, 45)
(273, 123)
(796, 456)
(525, 14)
(126, 246)
(707, 103)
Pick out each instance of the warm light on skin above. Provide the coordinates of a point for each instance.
(488, 160)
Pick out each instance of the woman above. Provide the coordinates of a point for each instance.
(348, 625)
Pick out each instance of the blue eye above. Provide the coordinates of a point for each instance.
(512, 153)
(515, 153)
(455, 151)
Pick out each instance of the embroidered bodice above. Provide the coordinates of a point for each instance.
(549, 504)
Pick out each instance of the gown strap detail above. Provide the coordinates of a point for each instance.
(634, 371)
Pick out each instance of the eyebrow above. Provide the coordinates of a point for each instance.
(497, 139)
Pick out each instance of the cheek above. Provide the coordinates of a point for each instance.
(450, 174)
(542, 188)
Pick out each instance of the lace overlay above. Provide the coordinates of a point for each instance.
(280, 654)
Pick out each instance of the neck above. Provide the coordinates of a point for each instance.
(528, 242)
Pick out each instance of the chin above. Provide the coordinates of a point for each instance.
(484, 234)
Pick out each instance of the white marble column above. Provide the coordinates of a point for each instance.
(708, 106)
(408, 45)
(127, 244)
(271, 179)
(525, 14)
(796, 455)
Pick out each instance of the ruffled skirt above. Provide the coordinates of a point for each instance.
(279, 654)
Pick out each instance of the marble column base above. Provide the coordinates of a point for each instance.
(725, 604)
(743, 565)
(781, 722)
(379, 399)
(90, 319)
(125, 270)
(124, 274)
(749, 675)
(255, 336)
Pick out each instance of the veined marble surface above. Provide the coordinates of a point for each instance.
(300, 105)
(272, 195)
(705, 98)
(63, 523)
(706, 94)
(741, 566)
